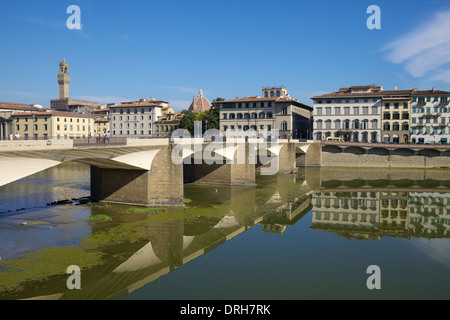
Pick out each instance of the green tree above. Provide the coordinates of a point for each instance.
(210, 119)
(187, 121)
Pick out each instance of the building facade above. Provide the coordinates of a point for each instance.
(396, 118)
(136, 118)
(353, 114)
(277, 111)
(430, 121)
(371, 114)
(7, 110)
(52, 124)
(101, 126)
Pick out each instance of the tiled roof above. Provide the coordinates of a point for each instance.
(392, 93)
(200, 104)
(50, 113)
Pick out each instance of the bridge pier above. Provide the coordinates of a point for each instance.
(161, 186)
(236, 171)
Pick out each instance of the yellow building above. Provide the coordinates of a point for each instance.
(168, 124)
(50, 124)
(396, 118)
(101, 126)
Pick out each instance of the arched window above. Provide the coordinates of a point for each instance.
(232, 116)
(284, 126)
(278, 93)
(240, 116)
(272, 94)
(247, 116)
(266, 94)
(269, 115)
(262, 115)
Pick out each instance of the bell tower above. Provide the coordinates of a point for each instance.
(63, 80)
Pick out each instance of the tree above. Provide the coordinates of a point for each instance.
(187, 121)
(210, 119)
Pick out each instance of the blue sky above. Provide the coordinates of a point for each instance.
(133, 49)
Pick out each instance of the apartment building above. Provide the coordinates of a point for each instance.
(136, 118)
(430, 121)
(353, 114)
(274, 110)
(50, 124)
(371, 114)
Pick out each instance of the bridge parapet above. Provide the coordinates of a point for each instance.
(30, 145)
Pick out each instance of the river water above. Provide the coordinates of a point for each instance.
(312, 235)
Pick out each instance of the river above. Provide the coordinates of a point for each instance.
(312, 235)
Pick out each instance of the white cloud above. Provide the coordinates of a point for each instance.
(424, 49)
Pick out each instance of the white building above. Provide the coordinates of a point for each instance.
(430, 121)
(136, 118)
(354, 114)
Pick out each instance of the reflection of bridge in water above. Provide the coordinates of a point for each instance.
(277, 203)
(282, 201)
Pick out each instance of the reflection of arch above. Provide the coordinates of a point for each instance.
(404, 183)
(331, 149)
(429, 153)
(355, 150)
(403, 152)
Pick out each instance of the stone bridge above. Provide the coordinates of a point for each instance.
(152, 172)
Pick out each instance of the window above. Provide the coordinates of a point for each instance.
(356, 110)
(328, 111)
(347, 110)
(337, 111)
(319, 111)
(374, 110)
(365, 110)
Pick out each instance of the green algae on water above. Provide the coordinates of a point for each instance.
(42, 264)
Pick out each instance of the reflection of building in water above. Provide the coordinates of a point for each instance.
(365, 215)
(429, 214)
(288, 214)
(357, 211)
(394, 210)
